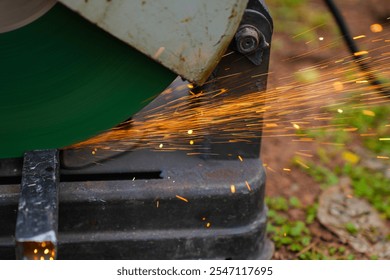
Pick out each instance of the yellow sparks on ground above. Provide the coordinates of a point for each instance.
(182, 198)
(350, 129)
(238, 118)
(233, 188)
(321, 38)
(240, 158)
(296, 126)
(271, 169)
(306, 31)
(360, 53)
(350, 157)
(302, 164)
(304, 139)
(376, 28)
(248, 186)
(191, 86)
(333, 144)
(359, 37)
(304, 154)
(382, 157)
(338, 86)
(287, 169)
(368, 113)
(208, 225)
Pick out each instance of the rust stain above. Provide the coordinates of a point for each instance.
(185, 20)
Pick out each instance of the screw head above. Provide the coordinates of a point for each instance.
(247, 39)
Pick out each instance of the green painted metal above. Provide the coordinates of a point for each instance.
(63, 80)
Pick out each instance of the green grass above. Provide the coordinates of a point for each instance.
(302, 20)
(373, 120)
(295, 235)
(368, 184)
(351, 228)
(373, 186)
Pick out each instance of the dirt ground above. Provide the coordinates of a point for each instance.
(277, 152)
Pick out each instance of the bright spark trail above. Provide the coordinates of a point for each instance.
(184, 123)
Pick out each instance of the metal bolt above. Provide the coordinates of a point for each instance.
(247, 39)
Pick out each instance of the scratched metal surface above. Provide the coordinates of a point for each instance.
(188, 37)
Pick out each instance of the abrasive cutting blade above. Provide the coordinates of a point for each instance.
(17, 13)
(63, 80)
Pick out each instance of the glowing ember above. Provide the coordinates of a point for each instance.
(359, 37)
(182, 198)
(248, 186)
(376, 28)
(233, 189)
(338, 86)
(292, 110)
(360, 53)
(382, 157)
(296, 126)
(302, 164)
(368, 113)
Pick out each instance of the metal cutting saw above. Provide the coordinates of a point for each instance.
(72, 69)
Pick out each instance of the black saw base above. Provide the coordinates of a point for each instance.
(150, 205)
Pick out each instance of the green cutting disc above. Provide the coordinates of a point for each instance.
(63, 80)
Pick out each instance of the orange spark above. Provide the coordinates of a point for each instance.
(248, 186)
(182, 198)
(376, 28)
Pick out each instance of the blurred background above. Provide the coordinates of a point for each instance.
(326, 149)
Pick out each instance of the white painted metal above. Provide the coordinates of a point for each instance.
(187, 36)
